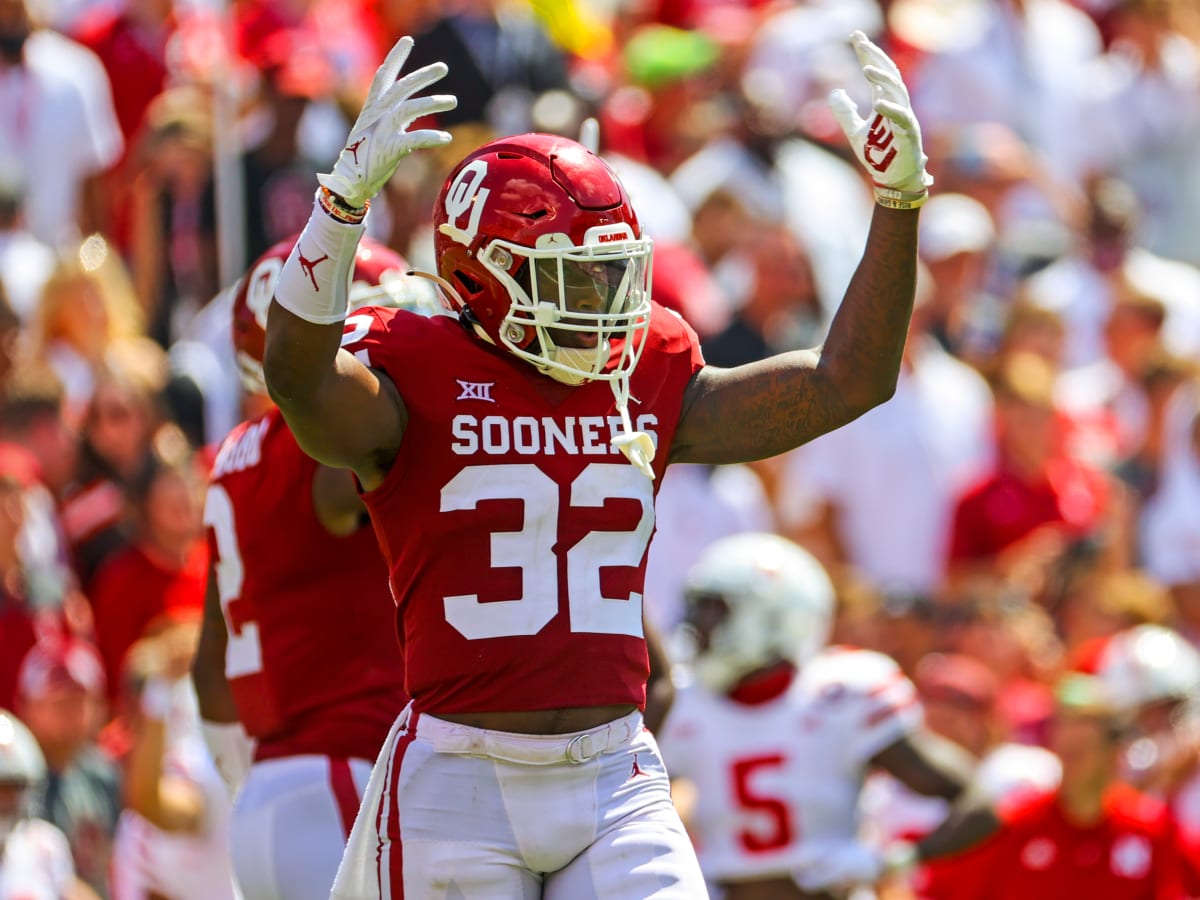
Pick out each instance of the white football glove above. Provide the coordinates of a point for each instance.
(847, 865)
(378, 140)
(889, 145)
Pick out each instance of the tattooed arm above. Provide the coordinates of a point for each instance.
(768, 407)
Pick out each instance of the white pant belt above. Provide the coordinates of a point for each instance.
(533, 749)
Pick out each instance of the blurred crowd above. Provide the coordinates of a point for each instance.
(1028, 499)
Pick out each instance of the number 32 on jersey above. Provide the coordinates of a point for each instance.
(532, 550)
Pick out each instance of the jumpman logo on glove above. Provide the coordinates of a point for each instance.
(353, 148)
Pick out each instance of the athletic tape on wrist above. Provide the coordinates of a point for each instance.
(315, 281)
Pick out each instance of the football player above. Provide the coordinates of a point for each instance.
(509, 456)
(35, 859)
(297, 643)
(776, 732)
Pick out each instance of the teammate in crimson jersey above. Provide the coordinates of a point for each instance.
(776, 733)
(509, 456)
(298, 644)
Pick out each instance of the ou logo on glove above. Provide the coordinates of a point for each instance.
(879, 141)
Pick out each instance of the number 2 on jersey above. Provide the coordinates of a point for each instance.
(243, 650)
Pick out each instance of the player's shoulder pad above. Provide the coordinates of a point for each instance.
(669, 330)
(691, 708)
(389, 332)
(858, 672)
(399, 321)
(45, 836)
(243, 443)
(690, 695)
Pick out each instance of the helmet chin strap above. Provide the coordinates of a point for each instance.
(637, 446)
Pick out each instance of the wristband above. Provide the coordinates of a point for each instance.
(339, 209)
(894, 199)
(155, 702)
(315, 281)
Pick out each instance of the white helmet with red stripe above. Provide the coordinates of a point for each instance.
(755, 599)
(1149, 664)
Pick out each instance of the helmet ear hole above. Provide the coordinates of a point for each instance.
(471, 287)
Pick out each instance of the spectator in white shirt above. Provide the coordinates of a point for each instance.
(57, 126)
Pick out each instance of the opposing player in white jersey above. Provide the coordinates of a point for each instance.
(35, 859)
(776, 732)
(297, 644)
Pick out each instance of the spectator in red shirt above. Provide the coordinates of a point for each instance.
(1036, 503)
(164, 570)
(1093, 837)
(131, 42)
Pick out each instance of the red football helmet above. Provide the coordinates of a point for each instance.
(379, 280)
(539, 247)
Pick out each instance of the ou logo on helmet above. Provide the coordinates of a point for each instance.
(261, 287)
(466, 195)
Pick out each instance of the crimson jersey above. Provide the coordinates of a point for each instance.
(311, 657)
(515, 533)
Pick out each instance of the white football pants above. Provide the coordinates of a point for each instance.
(291, 819)
(463, 813)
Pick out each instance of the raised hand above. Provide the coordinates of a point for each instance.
(889, 144)
(839, 866)
(379, 138)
